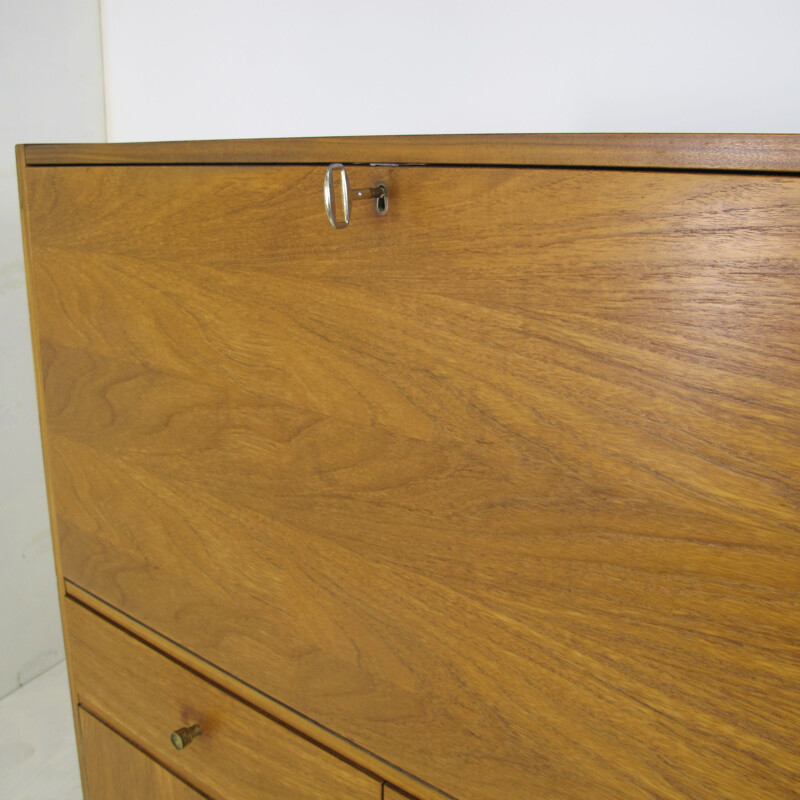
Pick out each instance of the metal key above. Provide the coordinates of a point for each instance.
(380, 193)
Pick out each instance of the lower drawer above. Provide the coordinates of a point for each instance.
(116, 770)
(239, 754)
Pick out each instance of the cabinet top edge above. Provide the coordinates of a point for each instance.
(726, 152)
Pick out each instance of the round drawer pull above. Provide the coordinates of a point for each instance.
(184, 736)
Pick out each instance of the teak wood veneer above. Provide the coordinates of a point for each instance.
(494, 497)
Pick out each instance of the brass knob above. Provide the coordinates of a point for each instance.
(184, 736)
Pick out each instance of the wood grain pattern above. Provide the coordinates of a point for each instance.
(323, 736)
(116, 770)
(503, 487)
(759, 152)
(22, 183)
(241, 754)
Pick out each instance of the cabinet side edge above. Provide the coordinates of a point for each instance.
(37, 363)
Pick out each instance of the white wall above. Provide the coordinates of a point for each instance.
(51, 89)
(248, 68)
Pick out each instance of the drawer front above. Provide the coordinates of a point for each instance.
(502, 486)
(116, 770)
(240, 753)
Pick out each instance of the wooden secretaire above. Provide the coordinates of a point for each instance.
(491, 494)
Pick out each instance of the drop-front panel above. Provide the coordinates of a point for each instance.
(500, 488)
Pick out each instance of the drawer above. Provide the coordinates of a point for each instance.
(240, 752)
(116, 770)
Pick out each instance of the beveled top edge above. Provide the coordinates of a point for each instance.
(723, 152)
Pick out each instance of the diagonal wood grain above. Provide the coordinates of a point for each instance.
(503, 487)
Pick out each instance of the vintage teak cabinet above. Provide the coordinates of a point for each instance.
(493, 496)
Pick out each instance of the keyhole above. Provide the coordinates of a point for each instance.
(382, 202)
